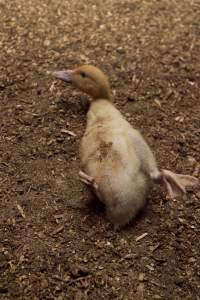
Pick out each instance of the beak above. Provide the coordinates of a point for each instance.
(65, 75)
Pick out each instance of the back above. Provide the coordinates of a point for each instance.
(107, 150)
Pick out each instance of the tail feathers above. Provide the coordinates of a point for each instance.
(120, 215)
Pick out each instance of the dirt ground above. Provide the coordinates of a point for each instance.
(54, 242)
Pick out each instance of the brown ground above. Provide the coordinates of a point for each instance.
(53, 245)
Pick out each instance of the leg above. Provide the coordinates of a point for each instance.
(88, 180)
(175, 183)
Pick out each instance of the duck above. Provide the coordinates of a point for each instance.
(116, 161)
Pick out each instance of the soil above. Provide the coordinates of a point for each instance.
(55, 242)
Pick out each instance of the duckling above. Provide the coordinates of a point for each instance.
(116, 161)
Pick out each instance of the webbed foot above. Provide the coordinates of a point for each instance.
(88, 180)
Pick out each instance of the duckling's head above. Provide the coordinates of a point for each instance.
(88, 79)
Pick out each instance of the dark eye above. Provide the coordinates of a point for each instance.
(83, 74)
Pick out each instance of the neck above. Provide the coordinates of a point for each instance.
(102, 94)
(107, 95)
(101, 110)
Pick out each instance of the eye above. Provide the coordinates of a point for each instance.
(83, 74)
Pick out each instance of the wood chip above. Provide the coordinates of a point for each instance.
(20, 209)
(153, 248)
(150, 268)
(192, 260)
(157, 102)
(65, 279)
(57, 230)
(140, 291)
(196, 170)
(69, 132)
(141, 277)
(179, 119)
(52, 87)
(59, 216)
(181, 220)
(141, 236)
(50, 142)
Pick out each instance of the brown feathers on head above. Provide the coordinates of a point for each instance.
(88, 79)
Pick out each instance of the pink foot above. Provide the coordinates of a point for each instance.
(88, 180)
(175, 184)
